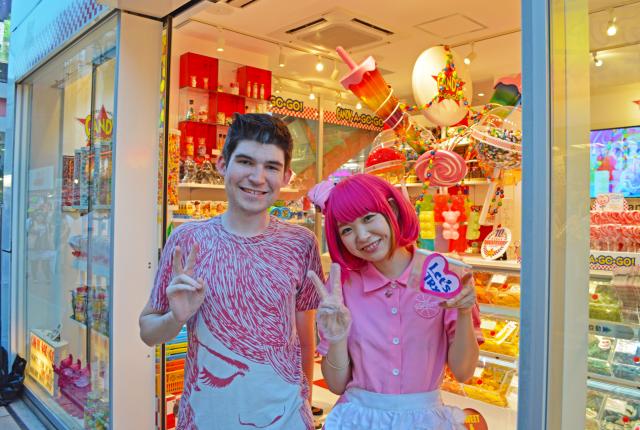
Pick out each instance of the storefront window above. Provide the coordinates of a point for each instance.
(613, 363)
(67, 240)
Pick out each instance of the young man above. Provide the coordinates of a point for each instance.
(243, 293)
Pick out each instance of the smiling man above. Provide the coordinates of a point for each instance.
(244, 295)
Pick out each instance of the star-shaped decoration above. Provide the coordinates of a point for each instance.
(449, 84)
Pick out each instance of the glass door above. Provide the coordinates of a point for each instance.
(67, 247)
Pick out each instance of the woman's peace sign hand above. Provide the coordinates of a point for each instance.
(185, 293)
(333, 317)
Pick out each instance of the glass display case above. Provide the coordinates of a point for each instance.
(68, 231)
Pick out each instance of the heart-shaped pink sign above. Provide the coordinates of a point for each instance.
(437, 280)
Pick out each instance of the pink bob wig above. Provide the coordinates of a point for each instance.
(357, 196)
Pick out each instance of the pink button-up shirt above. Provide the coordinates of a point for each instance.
(399, 336)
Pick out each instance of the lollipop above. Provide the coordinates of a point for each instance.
(441, 168)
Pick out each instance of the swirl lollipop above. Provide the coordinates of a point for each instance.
(441, 168)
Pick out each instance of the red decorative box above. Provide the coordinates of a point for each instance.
(253, 75)
(198, 71)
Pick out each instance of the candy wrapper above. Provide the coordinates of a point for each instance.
(437, 275)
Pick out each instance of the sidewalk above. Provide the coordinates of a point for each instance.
(18, 416)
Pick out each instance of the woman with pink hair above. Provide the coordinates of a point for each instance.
(385, 343)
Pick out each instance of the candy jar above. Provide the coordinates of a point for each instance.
(190, 170)
(206, 174)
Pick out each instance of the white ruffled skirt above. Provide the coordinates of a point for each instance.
(365, 410)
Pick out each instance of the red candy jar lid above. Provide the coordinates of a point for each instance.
(383, 155)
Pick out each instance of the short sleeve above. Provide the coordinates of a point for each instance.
(451, 318)
(306, 296)
(159, 300)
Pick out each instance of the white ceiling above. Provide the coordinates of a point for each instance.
(416, 25)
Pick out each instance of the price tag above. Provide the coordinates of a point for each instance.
(488, 324)
(499, 279)
(616, 405)
(627, 346)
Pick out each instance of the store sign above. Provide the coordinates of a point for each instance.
(289, 104)
(474, 420)
(41, 359)
(102, 126)
(610, 260)
(363, 118)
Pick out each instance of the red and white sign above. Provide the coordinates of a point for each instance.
(496, 243)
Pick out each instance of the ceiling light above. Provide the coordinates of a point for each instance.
(334, 72)
(220, 47)
(281, 59)
(480, 94)
(612, 28)
(470, 57)
(319, 65)
(359, 106)
(596, 60)
(312, 96)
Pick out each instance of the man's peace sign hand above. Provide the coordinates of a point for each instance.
(333, 317)
(185, 293)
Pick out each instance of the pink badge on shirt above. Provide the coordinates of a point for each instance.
(437, 279)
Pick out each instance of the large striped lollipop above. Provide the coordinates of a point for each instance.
(441, 168)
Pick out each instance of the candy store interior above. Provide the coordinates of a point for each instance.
(429, 98)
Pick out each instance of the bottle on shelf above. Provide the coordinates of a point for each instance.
(255, 90)
(190, 170)
(191, 112)
(262, 91)
(248, 93)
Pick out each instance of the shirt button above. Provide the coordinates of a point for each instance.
(394, 285)
(396, 341)
(394, 311)
(395, 372)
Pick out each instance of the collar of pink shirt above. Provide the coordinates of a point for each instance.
(376, 280)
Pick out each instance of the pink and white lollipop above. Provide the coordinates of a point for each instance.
(441, 168)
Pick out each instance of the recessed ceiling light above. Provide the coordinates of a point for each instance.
(480, 94)
(319, 65)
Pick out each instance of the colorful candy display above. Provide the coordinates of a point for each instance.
(498, 137)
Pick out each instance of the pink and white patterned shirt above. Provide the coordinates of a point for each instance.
(399, 336)
(243, 367)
